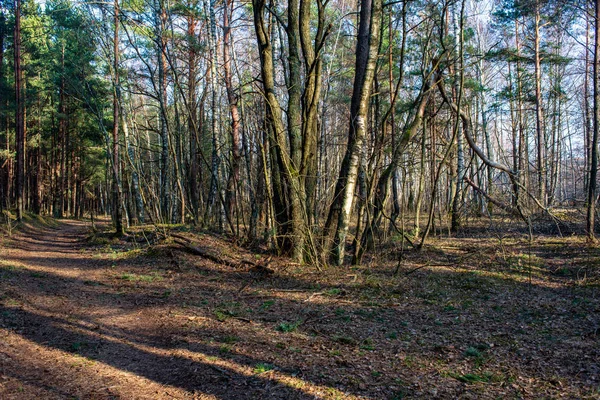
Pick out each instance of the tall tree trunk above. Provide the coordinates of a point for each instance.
(236, 142)
(116, 185)
(396, 209)
(62, 133)
(421, 190)
(215, 161)
(19, 114)
(36, 170)
(135, 176)
(515, 125)
(366, 58)
(3, 122)
(285, 162)
(311, 95)
(278, 147)
(165, 186)
(591, 200)
(539, 112)
(520, 152)
(193, 115)
(587, 137)
(293, 147)
(457, 203)
(481, 76)
(294, 182)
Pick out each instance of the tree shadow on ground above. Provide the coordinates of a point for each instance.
(126, 353)
(378, 336)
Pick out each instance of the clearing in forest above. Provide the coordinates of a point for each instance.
(96, 318)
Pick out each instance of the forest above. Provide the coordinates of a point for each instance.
(332, 199)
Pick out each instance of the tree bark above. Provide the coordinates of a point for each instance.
(457, 202)
(116, 186)
(236, 142)
(4, 168)
(539, 112)
(278, 148)
(161, 47)
(19, 114)
(591, 200)
(367, 47)
(587, 115)
(193, 122)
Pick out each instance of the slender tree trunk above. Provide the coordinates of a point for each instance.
(418, 205)
(4, 169)
(366, 57)
(116, 188)
(135, 176)
(236, 154)
(36, 173)
(175, 151)
(523, 172)
(19, 114)
(515, 122)
(61, 142)
(396, 209)
(311, 95)
(457, 203)
(539, 112)
(165, 186)
(277, 146)
(193, 116)
(256, 195)
(284, 175)
(212, 44)
(591, 200)
(587, 138)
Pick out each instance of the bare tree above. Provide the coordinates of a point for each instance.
(236, 142)
(116, 188)
(367, 47)
(591, 198)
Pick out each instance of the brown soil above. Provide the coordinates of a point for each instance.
(468, 318)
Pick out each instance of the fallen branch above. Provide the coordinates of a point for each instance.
(495, 202)
(490, 163)
(255, 268)
(203, 253)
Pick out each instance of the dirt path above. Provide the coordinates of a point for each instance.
(74, 324)
(62, 337)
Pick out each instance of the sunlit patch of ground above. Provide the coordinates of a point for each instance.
(472, 318)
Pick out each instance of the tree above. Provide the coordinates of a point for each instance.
(19, 114)
(274, 119)
(160, 21)
(294, 146)
(236, 142)
(591, 198)
(5, 170)
(116, 190)
(367, 47)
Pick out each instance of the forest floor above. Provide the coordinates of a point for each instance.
(86, 316)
